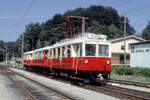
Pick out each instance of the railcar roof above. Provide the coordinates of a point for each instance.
(28, 52)
(86, 37)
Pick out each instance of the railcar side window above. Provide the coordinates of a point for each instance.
(90, 49)
(46, 54)
(51, 53)
(58, 52)
(39, 55)
(68, 51)
(63, 51)
(42, 54)
(77, 50)
(54, 51)
(103, 50)
(80, 50)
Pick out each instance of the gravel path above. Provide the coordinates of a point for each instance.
(7, 91)
(3, 91)
(68, 89)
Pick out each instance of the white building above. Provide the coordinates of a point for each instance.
(140, 54)
(117, 49)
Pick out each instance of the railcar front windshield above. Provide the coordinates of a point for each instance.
(103, 50)
(90, 49)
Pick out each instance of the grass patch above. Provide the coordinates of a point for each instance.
(137, 74)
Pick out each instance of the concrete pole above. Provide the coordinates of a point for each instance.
(6, 55)
(22, 51)
(83, 25)
(125, 41)
(3, 55)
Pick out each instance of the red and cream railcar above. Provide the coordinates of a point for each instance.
(86, 55)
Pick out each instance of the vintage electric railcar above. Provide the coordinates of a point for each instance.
(86, 55)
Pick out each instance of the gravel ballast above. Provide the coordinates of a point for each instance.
(67, 89)
(7, 91)
(132, 87)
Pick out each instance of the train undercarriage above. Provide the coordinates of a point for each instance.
(96, 77)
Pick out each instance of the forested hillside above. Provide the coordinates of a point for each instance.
(101, 20)
(11, 47)
(1, 50)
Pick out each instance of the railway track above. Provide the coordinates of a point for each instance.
(32, 89)
(146, 85)
(119, 92)
(115, 91)
(27, 95)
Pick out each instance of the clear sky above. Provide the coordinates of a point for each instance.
(11, 12)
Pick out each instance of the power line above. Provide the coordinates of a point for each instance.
(138, 8)
(122, 3)
(19, 22)
(25, 13)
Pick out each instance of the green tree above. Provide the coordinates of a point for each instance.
(146, 32)
(111, 30)
(101, 20)
(2, 48)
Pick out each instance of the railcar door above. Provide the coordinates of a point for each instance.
(45, 58)
(76, 56)
(69, 57)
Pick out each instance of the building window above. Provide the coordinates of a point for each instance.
(128, 57)
(122, 47)
(132, 47)
(139, 51)
(147, 50)
(132, 51)
(122, 58)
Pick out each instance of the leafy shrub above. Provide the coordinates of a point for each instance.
(138, 71)
(128, 71)
(145, 72)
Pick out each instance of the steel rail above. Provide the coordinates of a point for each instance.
(146, 85)
(30, 96)
(46, 87)
(120, 93)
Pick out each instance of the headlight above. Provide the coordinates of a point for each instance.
(86, 61)
(108, 62)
